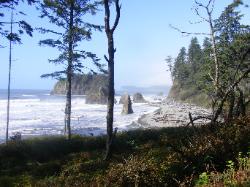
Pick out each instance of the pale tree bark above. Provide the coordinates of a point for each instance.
(215, 78)
(215, 55)
(69, 74)
(209, 10)
(110, 59)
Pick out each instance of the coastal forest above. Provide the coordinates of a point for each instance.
(213, 73)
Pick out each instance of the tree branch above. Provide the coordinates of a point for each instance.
(118, 13)
(107, 16)
(218, 111)
(106, 58)
(197, 118)
(189, 33)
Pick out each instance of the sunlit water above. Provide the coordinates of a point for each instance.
(34, 113)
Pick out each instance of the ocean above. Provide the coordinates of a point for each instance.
(36, 113)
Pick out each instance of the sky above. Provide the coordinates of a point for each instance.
(143, 40)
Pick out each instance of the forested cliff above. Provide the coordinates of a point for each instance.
(189, 73)
(82, 84)
(215, 74)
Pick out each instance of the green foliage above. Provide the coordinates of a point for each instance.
(203, 179)
(82, 84)
(194, 72)
(190, 80)
(22, 26)
(134, 171)
(232, 176)
(168, 156)
(68, 16)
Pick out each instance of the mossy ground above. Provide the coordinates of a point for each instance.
(159, 157)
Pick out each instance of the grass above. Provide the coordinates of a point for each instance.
(163, 157)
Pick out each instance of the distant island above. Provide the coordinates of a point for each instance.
(162, 89)
(89, 84)
(82, 84)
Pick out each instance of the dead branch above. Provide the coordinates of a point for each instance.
(198, 118)
(118, 13)
(106, 58)
(188, 33)
(191, 119)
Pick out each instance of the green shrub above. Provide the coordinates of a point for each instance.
(232, 176)
(135, 171)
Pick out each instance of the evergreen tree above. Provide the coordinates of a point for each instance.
(223, 64)
(234, 54)
(169, 61)
(13, 37)
(194, 55)
(206, 50)
(181, 70)
(68, 15)
(206, 67)
(23, 26)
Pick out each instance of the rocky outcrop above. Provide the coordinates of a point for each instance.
(127, 105)
(122, 99)
(99, 97)
(86, 84)
(138, 98)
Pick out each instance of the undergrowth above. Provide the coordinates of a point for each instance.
(183, 156)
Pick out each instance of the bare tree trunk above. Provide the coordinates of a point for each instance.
(111, 93)
(68, 106)
(209, 20)
(215, 78)
(9, 76)
(110, 59)
(69, 74)
(241, 105)
(216, 62)
(231, 106)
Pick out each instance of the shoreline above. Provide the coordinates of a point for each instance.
(167, 113)
(172, 114)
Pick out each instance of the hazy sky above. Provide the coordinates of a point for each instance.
(143, 40)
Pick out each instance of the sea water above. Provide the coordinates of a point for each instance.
(36, 113)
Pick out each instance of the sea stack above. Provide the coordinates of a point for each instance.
(122, 99)
(100, 97)
(138, 98)
(127, 105)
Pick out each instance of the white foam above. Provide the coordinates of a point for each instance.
(34, 117)
(27, 95)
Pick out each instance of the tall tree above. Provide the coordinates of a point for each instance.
(170, 66)
(9, 75)
(68, 15)
(180, 71)
(110, 60)
(13, 37)
(194, 54)
(209, 8)
(23, 26)
(234, 54)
